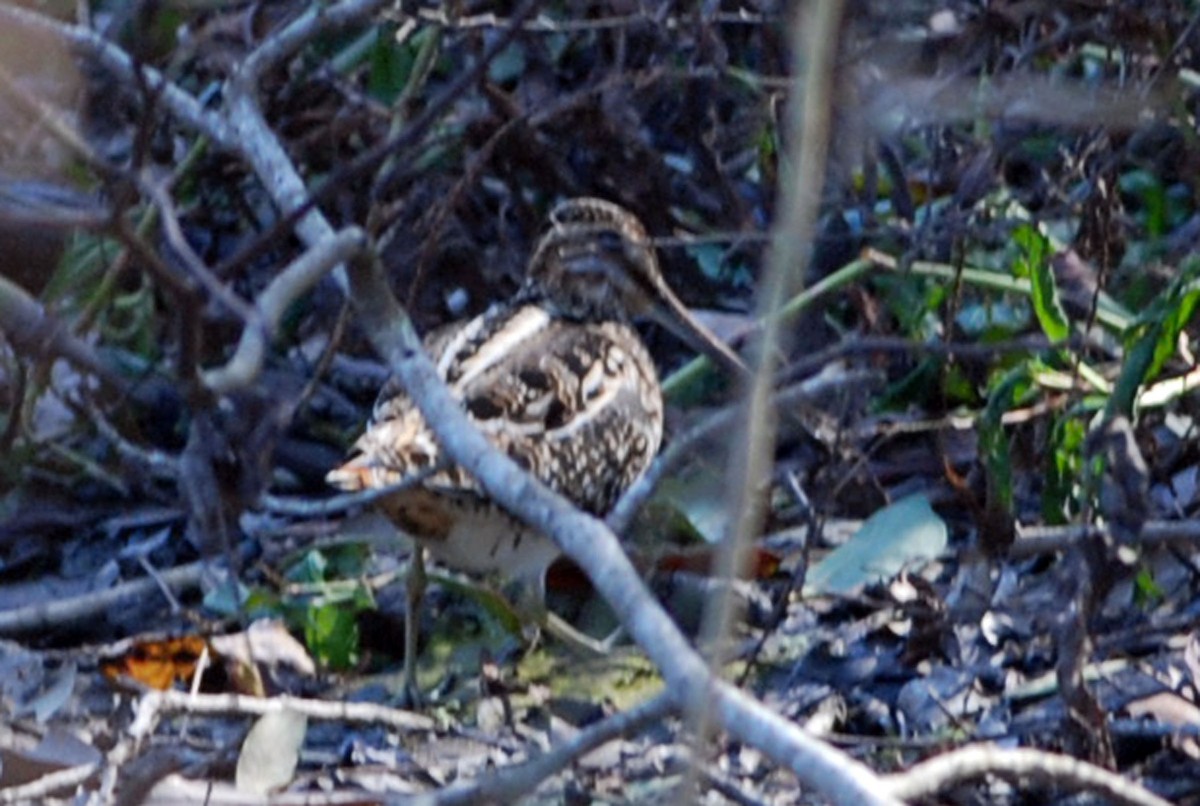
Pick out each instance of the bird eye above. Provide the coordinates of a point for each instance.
(610, 240)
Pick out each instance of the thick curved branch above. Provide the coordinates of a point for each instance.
(301, 275)
(947, 770)
(595, 549)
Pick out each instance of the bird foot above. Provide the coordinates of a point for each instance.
(407, 695)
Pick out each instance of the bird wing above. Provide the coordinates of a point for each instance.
(575, 404)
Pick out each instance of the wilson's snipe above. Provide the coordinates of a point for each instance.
(557, 378)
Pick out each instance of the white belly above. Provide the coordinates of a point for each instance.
(480, 542)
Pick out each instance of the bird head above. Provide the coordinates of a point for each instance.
(596, 263)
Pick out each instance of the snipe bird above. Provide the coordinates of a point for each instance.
(557, 378)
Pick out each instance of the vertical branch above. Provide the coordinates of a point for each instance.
(814, 38)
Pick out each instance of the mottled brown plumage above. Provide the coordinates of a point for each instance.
(556, 377)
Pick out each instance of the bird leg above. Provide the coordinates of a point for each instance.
(414, 590)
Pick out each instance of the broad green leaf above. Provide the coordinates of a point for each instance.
(991, 320)
(329, 564)
(694, 501)
(395, 67)
(906, 532)
(710, 257)
(1139, 358)
(227, 597)
(391, 68)
(1146, 589)
(310, 569)
(1149, 191)
(331, 633)
(1180, 309)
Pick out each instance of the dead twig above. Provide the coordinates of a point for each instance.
(511, 783)
(945, 770)
(59, 780)
(34, 330)
(154, 704)
(73, 609)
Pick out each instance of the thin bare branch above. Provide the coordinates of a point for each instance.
(549, 25)
(270, 306)
(511, 783)
(319, 18)
(154, 704)
(43, 616)
(49, 784)
(720, 422)
(191, 261)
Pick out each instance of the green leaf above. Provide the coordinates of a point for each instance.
(331, 633)
(958, 387)
(908, 299)
(391, 66)
(508, 65)
(397, 66)
(1033, 262)
(1064, 468)
(331, 563)
(1139, 357)
(710, 257)
(494, 604)
(992, 320)
(310, 569)
(263, 603)
(227, 597)
(1009, 391)
(906, 532)
(1154, 339)
(1146, 589)
(81, 267)
(1180, 308)
(1149, 191)
(694, 501)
